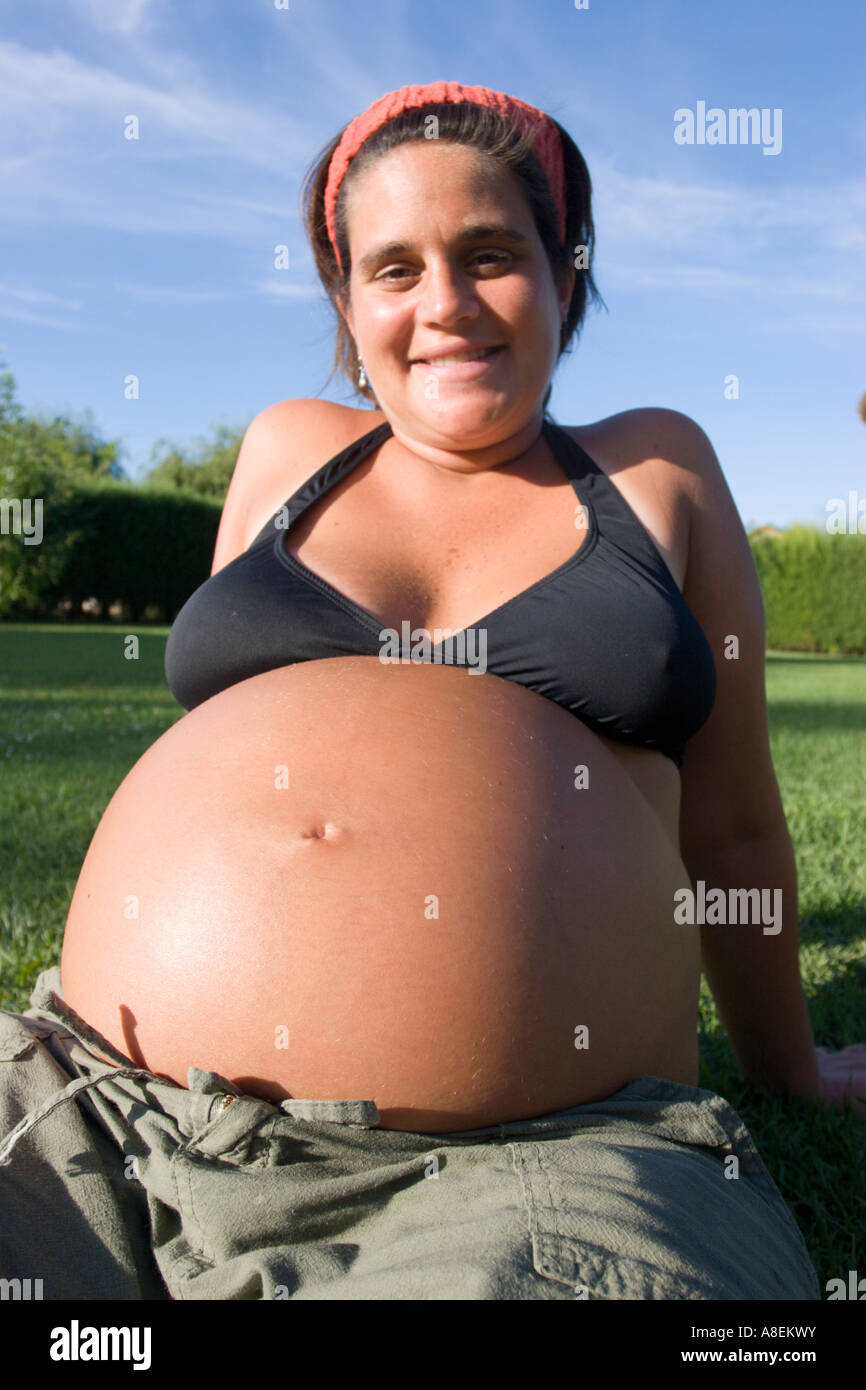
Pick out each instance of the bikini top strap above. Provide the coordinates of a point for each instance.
(324, 479)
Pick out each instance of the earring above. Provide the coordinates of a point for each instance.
(362, 375)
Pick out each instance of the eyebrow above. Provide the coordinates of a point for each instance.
(477, 231)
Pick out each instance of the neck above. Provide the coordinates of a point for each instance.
(456, 457)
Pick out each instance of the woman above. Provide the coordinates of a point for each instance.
(418, 865)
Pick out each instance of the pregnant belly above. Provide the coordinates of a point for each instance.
(345, 880)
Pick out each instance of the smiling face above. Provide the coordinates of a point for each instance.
(427, 279)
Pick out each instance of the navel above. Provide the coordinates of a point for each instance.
(321, 830)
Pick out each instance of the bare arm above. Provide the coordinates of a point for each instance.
(733, 832)
(249, 475)
(278, 443)
(755, 977)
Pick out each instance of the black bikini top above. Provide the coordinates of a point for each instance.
(607, 634)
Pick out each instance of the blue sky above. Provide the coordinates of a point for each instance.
(155, 257)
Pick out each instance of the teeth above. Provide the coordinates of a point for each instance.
(462, 357)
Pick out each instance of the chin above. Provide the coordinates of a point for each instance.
(450, 403)
(458, 426)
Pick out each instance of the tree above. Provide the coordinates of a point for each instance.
(42, 462)
(10, 410)
(86, 455)
(206, 469)
(65, 443)
(61, 460)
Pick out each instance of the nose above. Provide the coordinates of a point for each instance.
(449, 293)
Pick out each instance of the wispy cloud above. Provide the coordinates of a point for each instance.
(68, 162)
(831, 327)
(64, 156)
(668, 213)
(716, 280)
(662, 234)
(168, 294)
(16, 302)
(115, 16)
(278, 289)
(39, 92)
(20, 315)
(38, 297)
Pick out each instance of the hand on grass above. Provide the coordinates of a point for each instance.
(843, 1077)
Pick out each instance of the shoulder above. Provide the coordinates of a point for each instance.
(665, 458)
(311, 420)
(283, 446)
(651, 434)
(655, 459)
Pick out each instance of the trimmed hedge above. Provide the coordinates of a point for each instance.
(142, 547)
(149, 549)
(814, 588)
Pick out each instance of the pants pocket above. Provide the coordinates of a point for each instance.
(617, 1213)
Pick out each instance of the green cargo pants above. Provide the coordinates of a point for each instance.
(118, 1184)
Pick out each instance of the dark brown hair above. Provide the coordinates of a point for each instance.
(459, 123)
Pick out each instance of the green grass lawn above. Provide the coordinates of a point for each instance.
(75, 715)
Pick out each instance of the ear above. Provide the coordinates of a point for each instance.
(566, 290)
(346, 312)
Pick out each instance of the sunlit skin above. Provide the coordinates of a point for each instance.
(445, 289)
(555, 905)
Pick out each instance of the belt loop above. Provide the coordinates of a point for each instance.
(346, 1112)
(47, 1000)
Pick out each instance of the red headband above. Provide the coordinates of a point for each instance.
(546, 145)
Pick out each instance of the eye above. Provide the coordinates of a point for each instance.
(500, 256)
(395, 270)
(478, 257)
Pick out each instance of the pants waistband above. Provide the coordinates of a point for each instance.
(639, 1100)
(47, 998)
